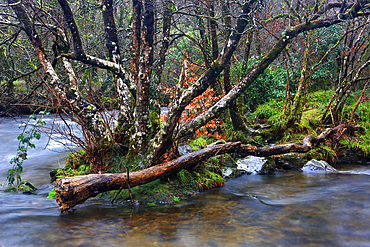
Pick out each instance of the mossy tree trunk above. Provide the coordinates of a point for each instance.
(298, 101)
(76, 190)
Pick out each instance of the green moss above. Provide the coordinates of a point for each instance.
(155, 123)
(24, 186)
(158, 191)
(311, 116)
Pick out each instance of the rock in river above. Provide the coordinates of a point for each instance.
(256, 165)
(318, 166)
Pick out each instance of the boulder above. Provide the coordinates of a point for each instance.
(256, 165)
(318, 166)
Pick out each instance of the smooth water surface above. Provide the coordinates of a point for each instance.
(288, 209)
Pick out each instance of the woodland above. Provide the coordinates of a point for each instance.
(141, 78)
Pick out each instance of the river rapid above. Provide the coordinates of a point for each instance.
(286, 209)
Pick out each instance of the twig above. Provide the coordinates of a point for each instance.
(331, 114)
(128, 186)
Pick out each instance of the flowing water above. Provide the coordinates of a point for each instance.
(287, 209)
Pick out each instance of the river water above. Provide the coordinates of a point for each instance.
(287, 209)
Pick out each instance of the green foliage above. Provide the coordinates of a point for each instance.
(51, 194)
(270, 85)
(29, 133)
(362, 112)
(272, 111)
(76, 164)
(158, 191)
(321, 41)
(24, 186)
(199, 142)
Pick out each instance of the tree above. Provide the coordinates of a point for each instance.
(147, 61)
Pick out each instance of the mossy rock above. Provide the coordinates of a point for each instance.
(311, 116)
(269, 167)
(24, 186)
(290, 161)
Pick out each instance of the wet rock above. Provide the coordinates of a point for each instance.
(53, 175)
(290, 161)
(256, 165)
(24, 186)
(318, 166)
(228, 172)
(184, 149)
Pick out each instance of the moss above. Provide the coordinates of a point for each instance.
(174, 187)
(159, 191)
(268, 168)
(76, 164)
(311, 116)
(24, 186)
(154, 123)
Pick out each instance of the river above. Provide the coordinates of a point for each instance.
(286, 209)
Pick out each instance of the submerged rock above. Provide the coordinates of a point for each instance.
(256, 165)
(318, 166)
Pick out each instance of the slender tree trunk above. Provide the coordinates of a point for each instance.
(287, 89)
(236, 118)
(359, 100)
(299, 97)
(87, 113)
(125, 118)
(145, 71)
(161, 60)
(136, 39)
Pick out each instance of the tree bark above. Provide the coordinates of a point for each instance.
(145, 70)
(136, 39)
(76, 190)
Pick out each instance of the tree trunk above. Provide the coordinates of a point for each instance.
(136, 39)
(299, 99)
(145, 70)
(236, 118)
(76, 190)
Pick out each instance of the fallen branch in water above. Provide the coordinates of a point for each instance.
(71, 191)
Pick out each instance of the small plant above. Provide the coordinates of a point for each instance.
(176, 199)
(30, 132)
(51, 194)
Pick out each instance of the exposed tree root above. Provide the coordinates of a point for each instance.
(71, 191)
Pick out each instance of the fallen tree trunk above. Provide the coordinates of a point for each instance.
(71, 191)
